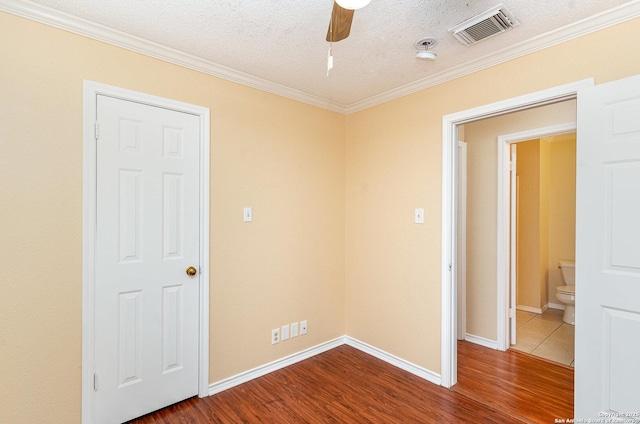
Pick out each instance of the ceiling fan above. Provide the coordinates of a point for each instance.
(341, 17)
(340, 24)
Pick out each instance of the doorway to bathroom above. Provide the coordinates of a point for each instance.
(485, 240)
(487, 248)
(483, 314)
(606, 233)
(485, 305)
(539, 179)
(538, 145)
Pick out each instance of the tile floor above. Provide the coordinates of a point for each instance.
(545, 336)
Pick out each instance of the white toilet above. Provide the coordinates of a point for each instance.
(567, 294)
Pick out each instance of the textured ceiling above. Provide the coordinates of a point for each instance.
(283, 41)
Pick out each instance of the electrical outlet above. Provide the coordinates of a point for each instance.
(294, 330)
(285, 332)
(275, 336)
(303, 327)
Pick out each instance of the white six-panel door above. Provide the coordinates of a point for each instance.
(608, 252)
(146, 306)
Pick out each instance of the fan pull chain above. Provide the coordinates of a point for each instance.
(330, 52)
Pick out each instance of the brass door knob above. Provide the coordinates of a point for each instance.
(191, 271)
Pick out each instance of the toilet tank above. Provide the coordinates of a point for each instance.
(568, 272)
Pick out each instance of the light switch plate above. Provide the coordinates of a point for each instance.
(419, 216)
(248, 215)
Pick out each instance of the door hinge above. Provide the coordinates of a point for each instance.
(512, 166)
(450, 267)
(512, 313)
(97, 131)
(95, 382)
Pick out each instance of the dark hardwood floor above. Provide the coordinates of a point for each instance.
(516, 383)
(345, 385)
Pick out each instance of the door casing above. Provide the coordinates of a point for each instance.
(90, 92)
(462, 240)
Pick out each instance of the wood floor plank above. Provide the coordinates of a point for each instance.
(519, 384)
(345, 385)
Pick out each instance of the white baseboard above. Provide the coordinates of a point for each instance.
(556, 306)
(491, 344)
(530, 309)
(243, 377)
(395, 361)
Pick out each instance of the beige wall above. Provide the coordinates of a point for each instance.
(529, 224)
(392, 290)
(543, 272)
(545, 174)
(283, 158)
(333, 239)
(562, 207)
(533, 171)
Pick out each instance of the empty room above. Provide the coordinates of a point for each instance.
(248, 211)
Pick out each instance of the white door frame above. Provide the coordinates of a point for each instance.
(449, 366)
(90, 92)
(462, 239)
(514, 196)
(506, 247)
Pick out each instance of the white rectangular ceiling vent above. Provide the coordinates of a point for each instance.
(487, 24)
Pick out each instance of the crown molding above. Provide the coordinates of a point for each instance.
(586, 26)
(67, 22)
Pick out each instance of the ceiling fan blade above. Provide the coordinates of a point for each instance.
(341, 22)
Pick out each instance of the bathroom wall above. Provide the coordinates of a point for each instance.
(546, 220)
(528, 224)
(532, 224)
(543, 274)
(562, 208)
